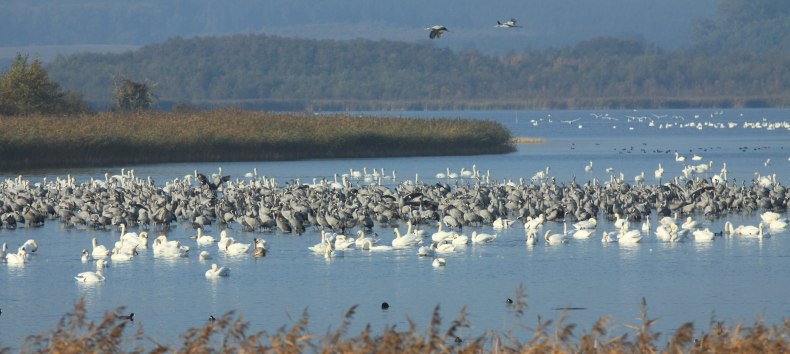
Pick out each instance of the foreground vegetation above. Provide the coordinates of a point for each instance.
(233, 135)
(75, 333)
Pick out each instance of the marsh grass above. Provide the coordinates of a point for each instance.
(231, 334)
(234, 135)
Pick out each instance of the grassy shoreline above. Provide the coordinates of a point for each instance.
(234, 135)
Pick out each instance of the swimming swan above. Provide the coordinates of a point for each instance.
(703, 235)
(555, 239)
(216, 271)
(90, 277)
(405, 241)
(590, 223)
(99, 251)
(482, 238)
(204, 239)
(30, 246)
(16, 258)
(368, 245)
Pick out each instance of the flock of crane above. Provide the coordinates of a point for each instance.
(350, 211)
(437, 30)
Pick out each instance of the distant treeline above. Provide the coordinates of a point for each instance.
(741, 60)
(231, 135)
(303, 74)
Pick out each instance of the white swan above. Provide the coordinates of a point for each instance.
(554, 239)
(90, 277)
(99, 251)
(169, 249)
(203, 240)
(408, 240)
(343, 243)
(590, 223)
(102, 263)
(743, 230)
(460, 240)
(123, 247)
(534, 224)
(696, 157)
(438, 262)
(4, 251)
(679, 158)
(320, 247)
(646, 224)
(691, 224)
(582, 234)
(224, 240)
(30, 246)
(532, 238)
(627, 236)
(666, 232)
(443, 247)
(368, 245)
(120, 255)
(777, 225)
(500, 223)
(426, 251)
(16, 258)
(659, 172)
(769, 216)
(361, 239)
(482, 238)
(215, 271)
(235, 249)
(441, 235)
(412, 230)
(703, 235)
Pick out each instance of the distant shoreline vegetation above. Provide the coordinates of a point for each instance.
(42, 141)
(342, 105)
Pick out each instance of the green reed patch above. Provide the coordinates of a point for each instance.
(234, 135)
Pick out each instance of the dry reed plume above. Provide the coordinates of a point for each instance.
(231, 334)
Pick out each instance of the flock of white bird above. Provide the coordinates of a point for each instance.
(439, 243)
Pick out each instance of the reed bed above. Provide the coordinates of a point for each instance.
(75, 333)
(234, 135)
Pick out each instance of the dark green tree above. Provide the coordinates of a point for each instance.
(25, 88)
(130, 95)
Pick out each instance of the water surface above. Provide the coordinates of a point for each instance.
(731, 278)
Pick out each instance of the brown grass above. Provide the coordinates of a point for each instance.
(526, 140)
(234, 135)
(231, 334)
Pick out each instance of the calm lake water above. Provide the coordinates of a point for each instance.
(731, 279)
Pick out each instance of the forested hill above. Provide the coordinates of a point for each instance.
(300, 73)
(546, 23)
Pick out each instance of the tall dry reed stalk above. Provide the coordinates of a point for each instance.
(231, 334)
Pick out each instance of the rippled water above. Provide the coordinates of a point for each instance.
(731, 278)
